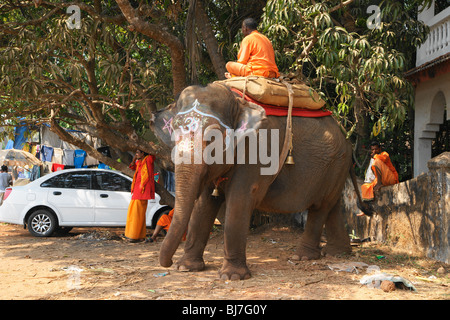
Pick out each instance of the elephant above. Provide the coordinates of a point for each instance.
(322, 162)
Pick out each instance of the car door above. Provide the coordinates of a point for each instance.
(70, 193)
(112, 197)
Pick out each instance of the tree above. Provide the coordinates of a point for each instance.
(100, 78)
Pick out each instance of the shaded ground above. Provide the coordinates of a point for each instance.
(95, 264)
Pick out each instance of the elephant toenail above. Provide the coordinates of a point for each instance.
(182, 268)
(295, 257)
(235, 277)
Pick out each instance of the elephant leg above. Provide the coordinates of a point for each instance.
(235, 241)
(309, 246)
(241, 198)
(338, 241)
(200, 226)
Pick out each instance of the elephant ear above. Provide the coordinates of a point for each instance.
(162, 123)
(251, 116)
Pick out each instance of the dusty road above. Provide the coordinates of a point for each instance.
(95, 264)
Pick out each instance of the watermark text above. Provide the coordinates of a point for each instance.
(374, 20)
(212, 146)
(74, 20)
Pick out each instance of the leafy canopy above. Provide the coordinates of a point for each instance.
(356, 64)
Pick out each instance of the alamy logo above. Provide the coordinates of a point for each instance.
(374, 21)
(248, 146)
(74, 21)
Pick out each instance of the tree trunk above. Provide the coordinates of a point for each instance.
(362, 127)
(202, 22)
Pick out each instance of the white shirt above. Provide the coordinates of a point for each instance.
(5, 180)
(369, 173)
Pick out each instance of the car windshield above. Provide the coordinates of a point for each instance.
(110, 181)
(69, 180)
(97, 180)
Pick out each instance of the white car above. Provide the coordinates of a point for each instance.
(74, 198)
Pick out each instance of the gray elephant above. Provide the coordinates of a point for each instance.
(205, 124)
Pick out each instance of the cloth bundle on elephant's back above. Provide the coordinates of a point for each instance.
(271, 92)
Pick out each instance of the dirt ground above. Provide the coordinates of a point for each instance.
(96, 264)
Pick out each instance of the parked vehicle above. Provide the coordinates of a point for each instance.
(74, 198)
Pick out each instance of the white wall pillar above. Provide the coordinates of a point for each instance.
(432, 97)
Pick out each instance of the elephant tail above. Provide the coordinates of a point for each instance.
(364, 207)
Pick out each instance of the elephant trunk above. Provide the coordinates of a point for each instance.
(187, 185)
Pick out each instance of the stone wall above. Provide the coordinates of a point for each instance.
(413, 215)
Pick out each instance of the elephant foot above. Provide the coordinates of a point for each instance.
(306, 253)
(334, 250)
(186, 264)
(231, 271)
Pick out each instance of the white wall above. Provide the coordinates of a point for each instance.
(432, 97)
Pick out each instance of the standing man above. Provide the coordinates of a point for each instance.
(256, 55)
(142, 190)
(382, 173)
(5, 179)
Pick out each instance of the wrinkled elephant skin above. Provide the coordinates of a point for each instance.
(322, 163)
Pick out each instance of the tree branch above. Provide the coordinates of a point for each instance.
(341, 5)
(159, 33)
(202, 22)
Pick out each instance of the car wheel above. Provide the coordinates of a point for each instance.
(42, 223)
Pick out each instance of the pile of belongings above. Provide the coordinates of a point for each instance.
(274, 92)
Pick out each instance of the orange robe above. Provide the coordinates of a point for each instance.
(389, 175)
(166, 220)
(142, 189)
(255, 57)
(136, 227)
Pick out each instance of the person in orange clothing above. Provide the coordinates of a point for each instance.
(142, 190)
(256, 55)
(163, 223)
(381, 172)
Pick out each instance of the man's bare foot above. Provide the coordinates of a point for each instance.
(227, 75)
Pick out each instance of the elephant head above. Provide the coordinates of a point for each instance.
(199, 128)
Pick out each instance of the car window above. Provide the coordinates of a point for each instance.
(110, 181)
(70, 180)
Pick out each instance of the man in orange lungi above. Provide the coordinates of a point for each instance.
(256, 55)
(163, 223)
(380, 173)
(142, 190)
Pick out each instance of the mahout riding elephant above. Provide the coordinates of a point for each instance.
(214, 116)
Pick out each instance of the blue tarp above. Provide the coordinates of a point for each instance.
(20, 137)
(10, 145)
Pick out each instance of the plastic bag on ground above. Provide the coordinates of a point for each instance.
(374, 281)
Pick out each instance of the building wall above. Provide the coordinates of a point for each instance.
(438, 41)
(432, 98)
(432, 80)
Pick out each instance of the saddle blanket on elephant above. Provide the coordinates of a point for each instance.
(278, 111)
(275, 93)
